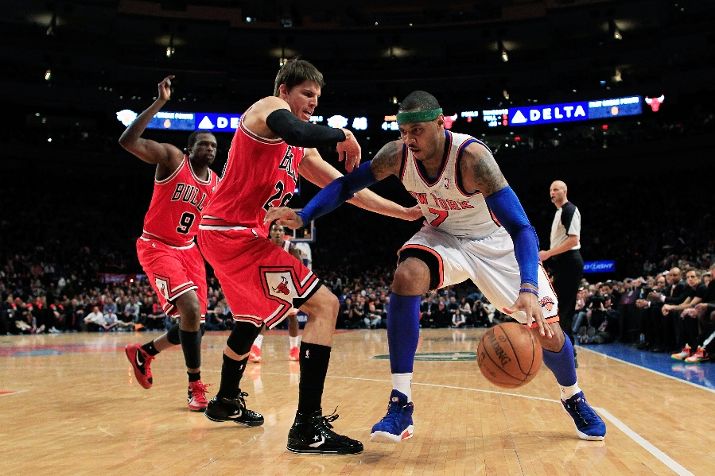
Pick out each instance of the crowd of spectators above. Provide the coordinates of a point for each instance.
(663, 310)
(669, 307)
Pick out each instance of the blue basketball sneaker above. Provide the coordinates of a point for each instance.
(396, 425)
(589, 425)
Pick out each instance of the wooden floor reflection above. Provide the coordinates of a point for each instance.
(70, 405)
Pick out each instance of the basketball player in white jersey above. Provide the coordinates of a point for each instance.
(475, 228)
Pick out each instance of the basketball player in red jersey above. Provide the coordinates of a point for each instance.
(272, 145)
(276, 235)
(183, 185)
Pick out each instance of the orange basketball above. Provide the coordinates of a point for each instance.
(509, 355)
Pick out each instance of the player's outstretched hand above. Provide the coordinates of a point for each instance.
(284, 216)
(349, 151)
(164, 88)
(527, 303)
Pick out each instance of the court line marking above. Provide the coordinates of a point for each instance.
(701, 387)
(13, 392)
(647, 445)
(638, 439)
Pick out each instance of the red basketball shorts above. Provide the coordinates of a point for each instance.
(260, 280)
(173, 271)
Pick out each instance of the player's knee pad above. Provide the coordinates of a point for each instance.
(242, 337)
(172, 335)
(427, 258)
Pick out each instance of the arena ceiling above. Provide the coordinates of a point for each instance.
(229, 51)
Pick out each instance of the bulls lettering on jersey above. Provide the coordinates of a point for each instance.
(259, 174)
(190, 194)
(444, 203)
(287, 163)
(176, 205)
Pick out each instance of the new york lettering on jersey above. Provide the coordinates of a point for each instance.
(442, 199)
(176, 205)
(260, 173)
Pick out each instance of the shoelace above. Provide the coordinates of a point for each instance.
(328, 419)
(242, 402)
(241, 398)
(200, 387)
(393, 408)
(584, 411)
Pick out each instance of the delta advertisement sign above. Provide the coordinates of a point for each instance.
(574, 111)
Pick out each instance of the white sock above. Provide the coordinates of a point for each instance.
(403, 384)
(294, 341)
(570, 391)
(259, 341)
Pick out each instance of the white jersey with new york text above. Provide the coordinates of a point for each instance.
(445, 205)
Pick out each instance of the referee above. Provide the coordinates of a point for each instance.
(566, 263)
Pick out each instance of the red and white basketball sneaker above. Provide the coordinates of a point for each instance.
(255, 354)
(197, 396)
(141, 363)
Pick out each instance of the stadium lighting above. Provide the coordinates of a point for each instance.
(615, 31)
(48, 74)
(170, 47)
(50, 31)
(503, 52)
(617, 77)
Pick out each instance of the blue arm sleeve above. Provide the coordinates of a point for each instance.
(511, 215)
(338, 191)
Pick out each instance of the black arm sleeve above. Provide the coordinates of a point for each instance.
(302, 134)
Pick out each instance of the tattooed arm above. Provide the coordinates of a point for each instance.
(386, 162)
(481, 172)
(321, 173)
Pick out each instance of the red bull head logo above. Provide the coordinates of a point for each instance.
(449, 121)
(547, 302)
(283, 286)
(655, 103)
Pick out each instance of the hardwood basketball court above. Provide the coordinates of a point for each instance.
(70, 405)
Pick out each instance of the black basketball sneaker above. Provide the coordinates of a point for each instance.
(313, 433)
(227, 409)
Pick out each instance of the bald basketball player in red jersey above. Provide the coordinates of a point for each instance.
(183, 186)
(262, 282)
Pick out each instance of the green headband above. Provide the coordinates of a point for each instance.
(418, 116)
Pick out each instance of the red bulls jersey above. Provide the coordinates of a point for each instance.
(176, 205)
(259, 174)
